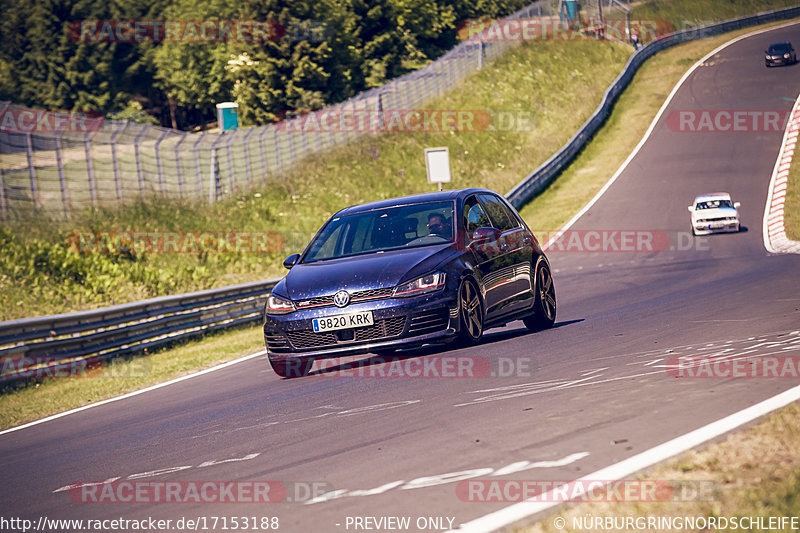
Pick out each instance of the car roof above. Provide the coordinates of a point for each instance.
(781, 43)
(414, 199)
(713, 196)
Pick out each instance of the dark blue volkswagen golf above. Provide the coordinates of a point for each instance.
(405, 272)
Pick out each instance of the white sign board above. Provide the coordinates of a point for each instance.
(437, 163)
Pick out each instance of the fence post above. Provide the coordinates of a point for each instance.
(263, 150)
(87, 148)
(116, 161)
(158, 162)
(247, 158)
(178, 166)
(291, 149)
(3, 211)
(230, 160)
(139, 171)
(197, 163)
(31, 171)
(61, 179)
(277, 150)
(213, 182)
(331, 134)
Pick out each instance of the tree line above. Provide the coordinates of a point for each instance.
(171, 61)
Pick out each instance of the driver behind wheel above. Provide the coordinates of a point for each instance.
(439, 226)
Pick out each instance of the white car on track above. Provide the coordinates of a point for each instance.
(713, 213)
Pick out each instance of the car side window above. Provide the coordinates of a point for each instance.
(474, 217)
(498, 213)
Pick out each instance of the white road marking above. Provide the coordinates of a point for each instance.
(134, 393)
(630, 466)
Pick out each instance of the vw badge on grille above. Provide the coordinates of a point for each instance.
(341, 298)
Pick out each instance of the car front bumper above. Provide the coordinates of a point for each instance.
(397, 323)
(776, 62)
(707, 229)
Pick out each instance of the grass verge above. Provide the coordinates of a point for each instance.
(53, 395)
(752, 473)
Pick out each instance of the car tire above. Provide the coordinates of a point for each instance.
(292, 367)
(470, 312)
(544, 302)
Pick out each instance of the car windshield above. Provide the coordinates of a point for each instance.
(378, 230)
(780, 48)
(713, 204)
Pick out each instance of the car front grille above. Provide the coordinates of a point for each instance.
(359, 296)
(429, 322)
(717, 219)
(386, 328)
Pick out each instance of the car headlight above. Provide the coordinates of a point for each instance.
(278, 306)
(786, 56)
(425, 284)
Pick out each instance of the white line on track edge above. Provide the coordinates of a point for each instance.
(520, 511)
(777, 243)
(652, 126)
(627, 467)
(134, 393)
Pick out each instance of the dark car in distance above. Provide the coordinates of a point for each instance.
(404, 272)
(780, 54)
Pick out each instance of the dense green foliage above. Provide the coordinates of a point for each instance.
(320, 52)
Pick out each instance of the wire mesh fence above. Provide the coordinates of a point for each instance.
(57, 163)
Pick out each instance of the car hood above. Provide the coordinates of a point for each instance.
(363, 272)
(714, 213)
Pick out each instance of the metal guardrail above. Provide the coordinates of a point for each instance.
(49, 345)
(41, 346)
(542, 177)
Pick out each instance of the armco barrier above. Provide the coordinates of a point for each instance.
(124, 329)
(41, 346)
(543, 176)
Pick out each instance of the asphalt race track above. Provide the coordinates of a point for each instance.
(555, 405)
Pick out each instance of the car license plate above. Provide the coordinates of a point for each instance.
(332, 323)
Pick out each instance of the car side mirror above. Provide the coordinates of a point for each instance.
(290, 261)
(690, 208)
(737, 205)
(484, 235)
